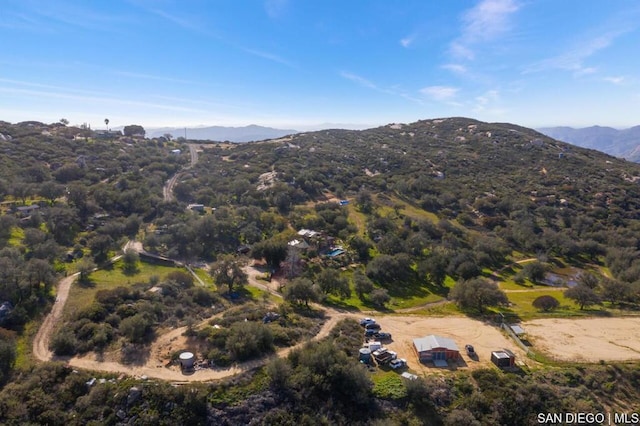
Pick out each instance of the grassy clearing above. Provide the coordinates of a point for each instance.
(358, 219)
(205, 277)
(354, 302)
(413, 301)
(81, 296)
(509, 284)
(448, 308)
(388, 385)
(522, 304)
(259, 295)
(412, 211)
(17, 235)
(23, 346)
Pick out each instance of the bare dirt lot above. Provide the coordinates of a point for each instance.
(484, 337)
(586, 340)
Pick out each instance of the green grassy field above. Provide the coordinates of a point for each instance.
(522, 304)
(81, 296)
(358, 219)
(205, 277)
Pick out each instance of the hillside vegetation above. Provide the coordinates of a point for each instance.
(398, 217)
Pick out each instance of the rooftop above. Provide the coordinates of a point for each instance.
(432, 342)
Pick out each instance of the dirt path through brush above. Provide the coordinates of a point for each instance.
(43, 337)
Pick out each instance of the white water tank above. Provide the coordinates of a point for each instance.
(187, 359)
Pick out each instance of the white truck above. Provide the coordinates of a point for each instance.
(398, 363)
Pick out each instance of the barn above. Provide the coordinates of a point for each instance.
(437, 349)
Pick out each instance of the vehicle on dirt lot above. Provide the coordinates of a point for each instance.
(470, 350)
(373, 326)
(365, 321)
(398, 363)
(382, 336)
(384, 356)
(370, 333)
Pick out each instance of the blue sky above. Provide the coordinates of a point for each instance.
(303, 63)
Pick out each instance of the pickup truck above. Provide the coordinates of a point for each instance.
(384, 356)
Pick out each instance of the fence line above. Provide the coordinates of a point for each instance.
(517, 340)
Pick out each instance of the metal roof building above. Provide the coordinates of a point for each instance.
(437, 349)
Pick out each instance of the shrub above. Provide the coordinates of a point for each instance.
(64, 343)
(546, 303)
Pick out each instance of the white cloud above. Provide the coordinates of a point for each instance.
(407, 41)
(440, 93)
(94, 99)
(455, 68)
(485, 100)
(461, 51)
(488, 20)
(615, 80)
(584, 71)
(573, 59)
(360, 80)
(275, 8)
(269, 56)
(394, 90)
(151, 77)
(187, 23)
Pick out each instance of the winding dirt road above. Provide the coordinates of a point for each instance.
(167, 190)
(43, 337)
(161, 349)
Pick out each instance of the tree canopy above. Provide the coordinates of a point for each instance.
(477, 294)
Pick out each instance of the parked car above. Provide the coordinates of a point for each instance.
(470, 350)
(398, 363)
(381, 335)
(370, 333)
(373, 326)
(365, 321)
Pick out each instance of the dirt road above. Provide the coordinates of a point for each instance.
(167, 190)
(43, 337)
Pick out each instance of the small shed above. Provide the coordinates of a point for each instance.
(187, 360)
(437, 349)
(518, 331)
(503, 358)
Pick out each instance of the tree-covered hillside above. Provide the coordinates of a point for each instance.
(387, 219)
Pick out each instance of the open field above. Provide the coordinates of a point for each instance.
(82, 296)
(586, 340)
(484, 337)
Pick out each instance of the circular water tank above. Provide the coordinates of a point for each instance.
(365, 355)
(187, 359)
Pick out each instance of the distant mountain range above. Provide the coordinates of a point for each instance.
(620, 143)
(220, 133)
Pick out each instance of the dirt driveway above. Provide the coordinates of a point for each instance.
(586, 340)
